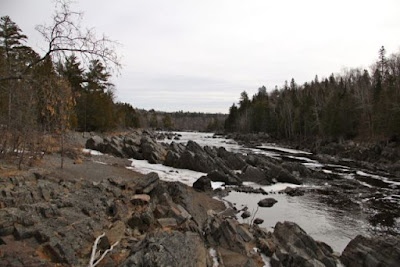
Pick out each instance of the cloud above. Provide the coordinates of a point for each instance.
(179, 53)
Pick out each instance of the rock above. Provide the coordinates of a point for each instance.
(141, 221)
(258, 221)
(245, 214)
(249, 189)
(294, 167)
(114, 148)
(177, 147)
(172, 159)
(170, 248)
(146, 184)
(22, 232)
(218, 176)
(232, 160)
(274, 171)
(152, 151)
(244, 233)
(267, 246)
(254, 174)
(94, 143)
(116, 233)
(203, 184)
(140, 199)
(293, 247)
(223, 232)
(293, 191)
(195, 203)
(376, 251)
(167, 222)
(267, 202)
(133, 152)
(196, 161)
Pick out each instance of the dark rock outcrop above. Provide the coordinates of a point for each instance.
(293, 247)
(228, 179)
(372, 252)
(254, 174)
(152, 151)
(173, 248)
(274, 171)
(234, 161)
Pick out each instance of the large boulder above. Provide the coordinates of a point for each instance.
(293, 247)
(372, 252)
(234, 161)
(152, 151)
(94, 143)
(254, 174)
(172, 159)
(203, 184)
(267, 202)
(274, 171)
(177, 147)
(200, 162)
(297, 169)
(145, 185)
(227, 233)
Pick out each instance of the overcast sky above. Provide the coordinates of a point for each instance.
(198, 55)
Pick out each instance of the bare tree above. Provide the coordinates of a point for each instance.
(65, 36)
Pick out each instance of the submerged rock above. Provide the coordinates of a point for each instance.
(245, 214)
(258, 221)
(293, 191)
(267, 202)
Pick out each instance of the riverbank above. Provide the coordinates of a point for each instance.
(380, 153)
(53, 216)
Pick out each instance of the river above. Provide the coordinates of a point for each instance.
(332, 225)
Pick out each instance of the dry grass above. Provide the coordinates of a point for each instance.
(9, 172)
(78, 161)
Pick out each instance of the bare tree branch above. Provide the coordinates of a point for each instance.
(94, 258)
(65, 37)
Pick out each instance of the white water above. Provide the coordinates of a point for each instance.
(166, 173)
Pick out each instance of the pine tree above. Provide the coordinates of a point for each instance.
(14, 54)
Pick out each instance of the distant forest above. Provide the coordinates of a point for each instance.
(355, 104)
(189, 121)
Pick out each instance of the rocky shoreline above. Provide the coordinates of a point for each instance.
(51, 216)
(374, 155)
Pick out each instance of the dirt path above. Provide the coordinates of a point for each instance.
(90, 168)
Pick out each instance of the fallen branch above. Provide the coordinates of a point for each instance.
(95, 254)
(254, 215)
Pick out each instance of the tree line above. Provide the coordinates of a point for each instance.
(181, 121)
(356, 103)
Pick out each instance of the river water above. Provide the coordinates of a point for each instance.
(334, 226)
